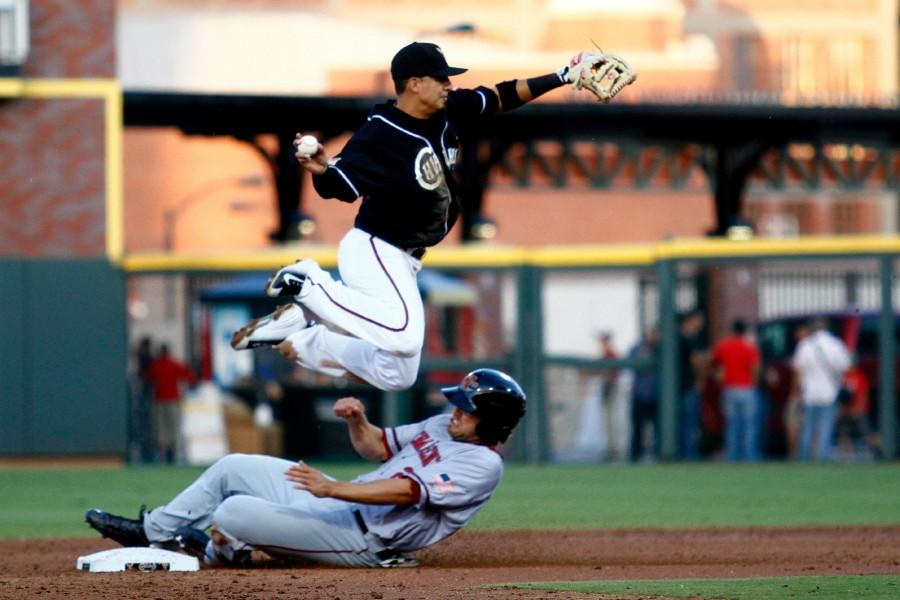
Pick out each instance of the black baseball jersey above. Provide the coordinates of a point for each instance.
(403, 168)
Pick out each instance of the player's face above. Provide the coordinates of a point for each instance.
(433, 92)
(462, 426)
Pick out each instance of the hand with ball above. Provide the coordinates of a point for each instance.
(310, 153)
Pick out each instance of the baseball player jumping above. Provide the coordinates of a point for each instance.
(435, 477)
(371, 324)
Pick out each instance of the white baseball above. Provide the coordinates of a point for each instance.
(308, 145)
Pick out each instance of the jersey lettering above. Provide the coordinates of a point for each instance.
(428, 169)
(427, 449)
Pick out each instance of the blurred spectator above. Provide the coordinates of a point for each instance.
(609, 379)
(142, 443)
(692, 359)
(645, 397)
(168, 377)
(855, 436)
(143, 357)
(737, 360)
(793, 415)
(820, 362)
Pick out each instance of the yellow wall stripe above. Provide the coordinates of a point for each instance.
(492, 256)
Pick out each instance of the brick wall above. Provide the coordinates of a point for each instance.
(52, 174)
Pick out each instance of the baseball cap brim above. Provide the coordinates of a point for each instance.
(458, 398)
(449, 72)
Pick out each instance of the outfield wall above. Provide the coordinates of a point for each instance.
(62, 358)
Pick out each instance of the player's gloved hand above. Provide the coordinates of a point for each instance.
(604, 75)
(571, 72)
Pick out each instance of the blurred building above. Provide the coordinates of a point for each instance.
(52, 194)
(803, 51)
(832, 52)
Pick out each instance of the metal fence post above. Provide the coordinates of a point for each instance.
(667, 364)
(530, 362)
(887, 353)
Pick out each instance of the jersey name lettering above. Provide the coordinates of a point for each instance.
(427, 449)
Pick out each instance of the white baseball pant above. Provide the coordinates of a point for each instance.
(377, 302)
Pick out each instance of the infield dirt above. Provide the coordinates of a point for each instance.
(460, 566)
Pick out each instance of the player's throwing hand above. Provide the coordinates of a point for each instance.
(313, 160)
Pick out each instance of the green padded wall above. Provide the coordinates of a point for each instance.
(63, 358)
(12, 359)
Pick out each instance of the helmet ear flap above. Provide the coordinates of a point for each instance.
(499, 413)
(493, 433)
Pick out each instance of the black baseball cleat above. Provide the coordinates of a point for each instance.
(289, 280)
(128, 532)
(195, 542)
(192, 541)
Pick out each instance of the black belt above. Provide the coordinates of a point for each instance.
(381, 554)
(416, 253)
(360, 522)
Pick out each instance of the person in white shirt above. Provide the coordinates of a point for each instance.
(819, 362)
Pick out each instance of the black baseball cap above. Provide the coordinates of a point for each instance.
(420, 59)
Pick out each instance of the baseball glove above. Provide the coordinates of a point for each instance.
(604, 75)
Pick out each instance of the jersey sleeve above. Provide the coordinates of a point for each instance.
(799, 360)
(755, 358)
(466, 107)
(354, 172)
(844, 360)
(465, 478)
(395, 438)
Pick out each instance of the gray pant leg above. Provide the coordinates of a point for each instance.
(322, 530)
(235, 474)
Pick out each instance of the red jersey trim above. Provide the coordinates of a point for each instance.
(419, 486)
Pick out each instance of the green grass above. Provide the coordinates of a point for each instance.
(705, 495)
(866, 587)
(51, 502)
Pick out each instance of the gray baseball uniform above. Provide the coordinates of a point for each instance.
(254, 505)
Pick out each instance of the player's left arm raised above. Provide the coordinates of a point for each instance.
(365, 437)
(604, 75)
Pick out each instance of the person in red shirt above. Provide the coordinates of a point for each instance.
(737, 360)
(855, 435)
(168, 377)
